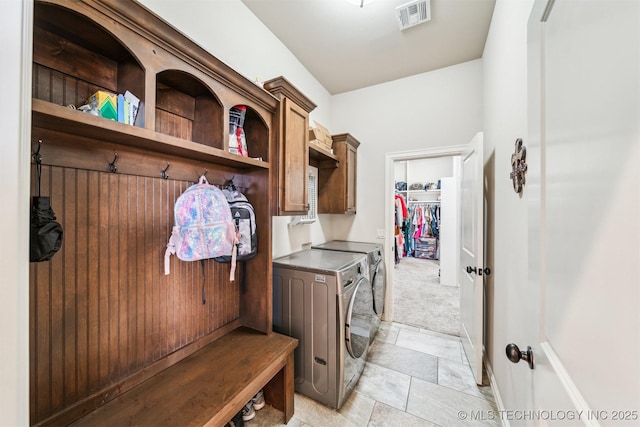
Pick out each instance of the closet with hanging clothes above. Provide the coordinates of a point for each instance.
(428, 188)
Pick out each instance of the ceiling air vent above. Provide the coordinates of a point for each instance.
(413, 13)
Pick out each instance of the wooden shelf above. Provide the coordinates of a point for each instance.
(62, 119)
(324, 158)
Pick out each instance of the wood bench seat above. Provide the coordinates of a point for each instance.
(210, 386)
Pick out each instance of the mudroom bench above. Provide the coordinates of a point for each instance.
(210, 386)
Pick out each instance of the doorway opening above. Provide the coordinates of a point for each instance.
(426, 236)
(415, 279)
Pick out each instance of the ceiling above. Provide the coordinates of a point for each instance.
(346, 47)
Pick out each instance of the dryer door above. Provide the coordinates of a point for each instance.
(377, 281)
(359, 319)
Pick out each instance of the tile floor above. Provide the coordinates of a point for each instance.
(413, 377)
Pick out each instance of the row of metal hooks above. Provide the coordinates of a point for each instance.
(163, 173)
(111, 167)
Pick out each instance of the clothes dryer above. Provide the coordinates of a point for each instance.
(323, 298)
(377, 273)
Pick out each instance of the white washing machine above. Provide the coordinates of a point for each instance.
(377, 274)
(323, 298)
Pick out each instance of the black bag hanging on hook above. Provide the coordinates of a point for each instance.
(45, 238)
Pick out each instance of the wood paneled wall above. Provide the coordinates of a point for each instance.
(102, 308)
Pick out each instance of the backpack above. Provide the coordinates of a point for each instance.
(245, 221)
(203, 227)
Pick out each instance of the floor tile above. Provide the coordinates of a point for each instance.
(448, 348)
(386, 416)
(316, 414)
(271, 417)
(358, 409)
(384, 385)
(387, 332)
(455, 338)
(447, 407)
(404, 360)
(458, 376)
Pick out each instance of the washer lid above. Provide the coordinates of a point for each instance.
(319, 260)
(347, 246)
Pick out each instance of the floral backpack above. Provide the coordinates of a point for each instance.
(204, 227)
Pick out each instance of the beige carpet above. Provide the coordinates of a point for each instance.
(419, 299)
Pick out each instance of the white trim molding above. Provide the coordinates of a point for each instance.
(567, 384)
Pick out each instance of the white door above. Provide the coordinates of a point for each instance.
(472, 254)
(584, 196)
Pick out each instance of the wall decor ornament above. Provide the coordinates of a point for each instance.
(518, 166)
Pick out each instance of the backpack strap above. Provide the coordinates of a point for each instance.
(204, 298)
(234, 252)
(171, 250)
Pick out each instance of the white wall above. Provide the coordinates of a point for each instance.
(423, 170)
(435, 109)
(505, 119)
(14, 215)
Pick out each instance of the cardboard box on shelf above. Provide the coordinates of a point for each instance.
(319, 145)
(319, 136)
(105, 103)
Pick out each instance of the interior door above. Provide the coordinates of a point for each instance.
(584, 68)
(472, 254)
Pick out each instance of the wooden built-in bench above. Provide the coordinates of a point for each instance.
(210, 386)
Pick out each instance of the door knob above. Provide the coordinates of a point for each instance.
(515, 355)
(471, 269)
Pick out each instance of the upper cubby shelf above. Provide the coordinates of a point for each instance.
(74, 58)
(185, 93)
(48, 116)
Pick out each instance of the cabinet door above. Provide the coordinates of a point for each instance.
(337, 187)
(294, 157)
(350, 190)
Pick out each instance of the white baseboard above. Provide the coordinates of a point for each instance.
(494, 389)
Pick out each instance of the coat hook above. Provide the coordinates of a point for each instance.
(163, 173)
(206, 171)
(112, 165)
(36, 156)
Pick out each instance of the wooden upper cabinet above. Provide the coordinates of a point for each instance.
(291, 152)
(337, 187)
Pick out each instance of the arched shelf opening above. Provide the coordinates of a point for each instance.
(187, 109)
(74, 57)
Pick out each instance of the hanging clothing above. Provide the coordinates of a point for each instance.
(401, 220)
